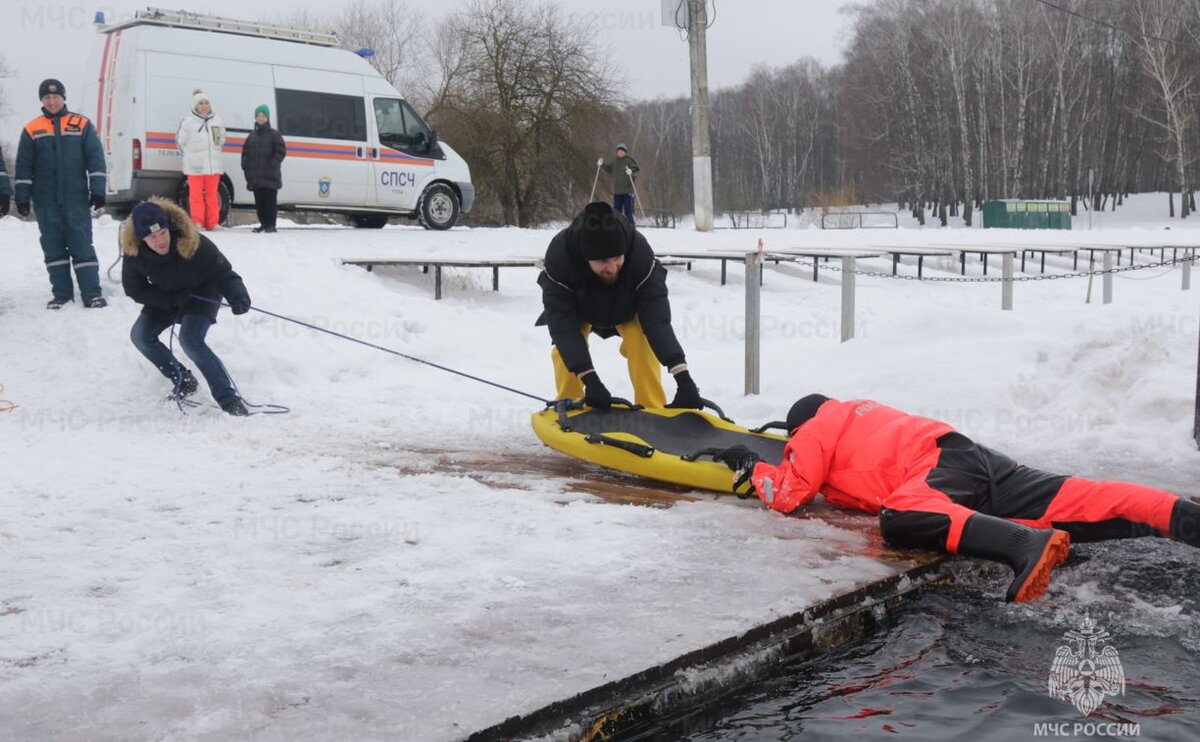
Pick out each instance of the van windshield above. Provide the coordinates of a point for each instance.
(400, 127)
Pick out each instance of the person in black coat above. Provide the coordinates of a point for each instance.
(262, 160)
(600, 276)
(168, 265)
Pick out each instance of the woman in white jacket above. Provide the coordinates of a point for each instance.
(200, 138)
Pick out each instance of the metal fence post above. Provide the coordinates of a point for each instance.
(1189, 255)
(1006, 290)
(1108, 276)
(848, 267)
(753, 320)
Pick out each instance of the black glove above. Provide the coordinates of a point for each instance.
(741, 460)
(97, 201)
(23, 208)
(595, 393)
(686, 395)
(4, 201)
(240, 306)
(180, 298)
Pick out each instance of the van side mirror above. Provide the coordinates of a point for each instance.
(433, 139)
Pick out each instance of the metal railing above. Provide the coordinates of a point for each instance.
(751, 220)
(855, 220)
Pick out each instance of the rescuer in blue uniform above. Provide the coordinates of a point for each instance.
(60, 169)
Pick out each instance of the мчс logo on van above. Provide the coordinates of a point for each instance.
(323, 186)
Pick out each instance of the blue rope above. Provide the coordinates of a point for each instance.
(438, 366)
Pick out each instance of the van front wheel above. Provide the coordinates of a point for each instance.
(438, 207)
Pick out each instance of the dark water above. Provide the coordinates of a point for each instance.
(959, 664)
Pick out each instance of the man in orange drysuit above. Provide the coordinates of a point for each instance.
(936, 489)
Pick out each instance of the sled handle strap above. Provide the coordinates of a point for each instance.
(637, 449)
(776, 424)
(710, 452)
(713, 406)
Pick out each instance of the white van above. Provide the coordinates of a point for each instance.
(355, 146)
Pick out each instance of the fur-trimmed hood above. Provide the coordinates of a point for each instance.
(184, 236)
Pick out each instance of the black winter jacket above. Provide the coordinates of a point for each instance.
(262, 156)
(193, 264)
(572, 295)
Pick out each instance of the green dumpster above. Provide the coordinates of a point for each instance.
(1025, 214)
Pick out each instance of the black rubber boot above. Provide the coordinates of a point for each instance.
(1032, 553)
(1185, 522)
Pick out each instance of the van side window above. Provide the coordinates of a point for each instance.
(323, 115)
(400, 127)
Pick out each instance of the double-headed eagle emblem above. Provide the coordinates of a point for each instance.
(1086, 673)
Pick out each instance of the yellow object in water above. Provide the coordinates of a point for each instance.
(662, 444)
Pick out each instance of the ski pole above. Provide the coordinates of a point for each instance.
(637, 199)
(595, 180)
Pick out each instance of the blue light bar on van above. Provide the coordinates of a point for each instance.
(364, 53)
(99, 19)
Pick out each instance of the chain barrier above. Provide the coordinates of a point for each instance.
(1001, 279)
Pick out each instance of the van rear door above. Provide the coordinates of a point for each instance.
(402, 159)
(322, 116)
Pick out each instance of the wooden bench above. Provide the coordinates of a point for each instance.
(817, 253)
(920, 253)
(439, 263)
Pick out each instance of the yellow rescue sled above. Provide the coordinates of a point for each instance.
(674, 446)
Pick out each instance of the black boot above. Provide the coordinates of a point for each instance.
(186, 385)
(236, 408)
(1032, 553)
(1185, 522)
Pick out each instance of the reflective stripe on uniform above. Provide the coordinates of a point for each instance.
(88, 264)
(20, 181)
(58, 262)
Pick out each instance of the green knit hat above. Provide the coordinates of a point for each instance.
(264, 109)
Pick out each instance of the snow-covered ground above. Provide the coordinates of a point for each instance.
(398, 557)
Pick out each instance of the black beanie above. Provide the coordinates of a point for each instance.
(51, 86)
(601, 235)
(804, 410)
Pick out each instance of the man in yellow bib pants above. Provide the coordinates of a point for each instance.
(601, 277)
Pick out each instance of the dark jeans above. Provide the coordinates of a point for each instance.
(266, 203)
(623, 203)
(192, 330)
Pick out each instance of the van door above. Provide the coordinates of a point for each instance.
(402, 160)
(327, 157)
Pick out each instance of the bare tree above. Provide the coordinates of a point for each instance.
(391, 29)
(1169, 71)
(527, 84)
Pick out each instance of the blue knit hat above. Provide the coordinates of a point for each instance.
(148, 218)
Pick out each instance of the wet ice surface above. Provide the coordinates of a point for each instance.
(960, 664)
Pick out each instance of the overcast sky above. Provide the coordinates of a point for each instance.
(50, 39)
